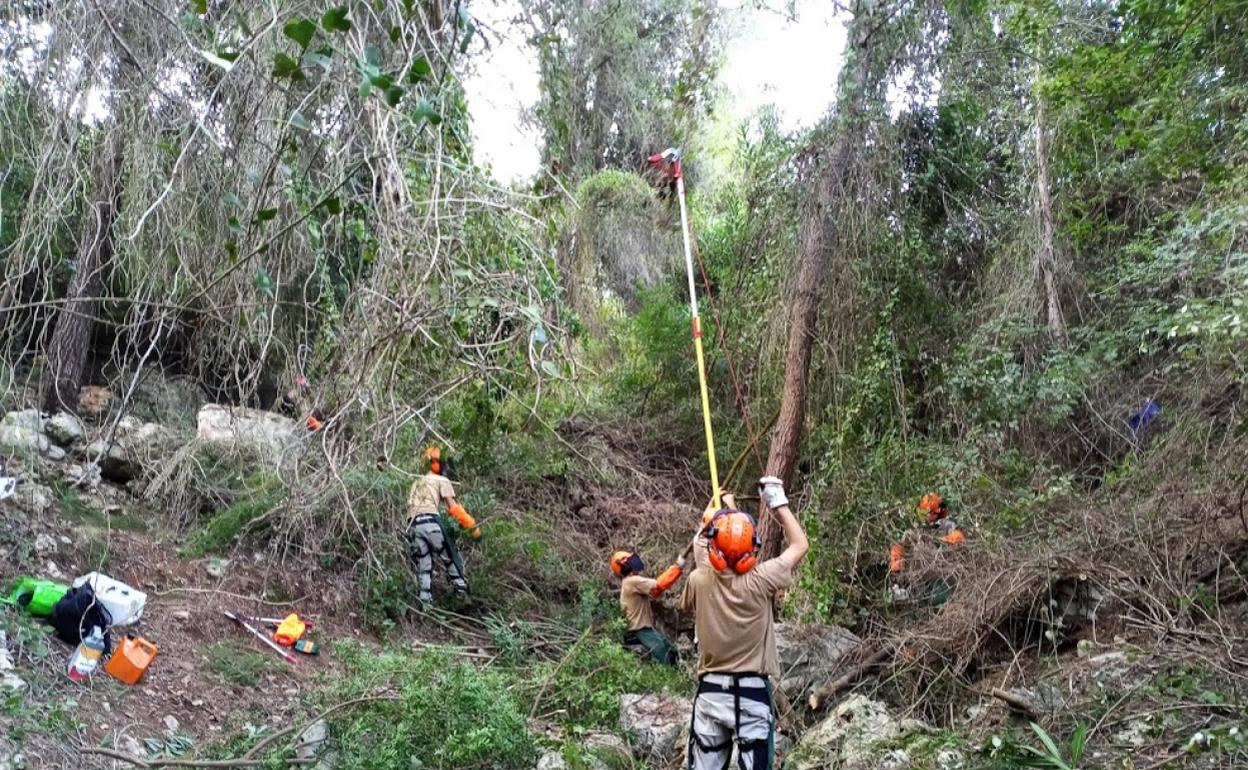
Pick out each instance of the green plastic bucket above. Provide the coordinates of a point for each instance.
(37, 596)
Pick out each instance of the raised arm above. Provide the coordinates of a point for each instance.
(668, 578)
(771, 490)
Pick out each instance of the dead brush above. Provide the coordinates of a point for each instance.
(1161, 557)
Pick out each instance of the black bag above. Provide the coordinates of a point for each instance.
(75, 614)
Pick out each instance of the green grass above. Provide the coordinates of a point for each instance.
(77, 511)
(240, 663)
(218, 534)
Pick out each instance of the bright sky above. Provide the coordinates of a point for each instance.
(770, 59)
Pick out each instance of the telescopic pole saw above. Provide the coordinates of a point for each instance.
(669, 162)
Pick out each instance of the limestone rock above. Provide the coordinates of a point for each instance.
(136, 445)
(551, 760)
(267, 433)
(45, 543)
(656, 723)
(811, 655)
(23, 430)
(12, 683)
(854, 737)
(312, 740)
(33, 497)
(65, 429)
(608, 746)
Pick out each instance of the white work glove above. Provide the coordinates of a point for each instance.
(680, 562)
(771, 490)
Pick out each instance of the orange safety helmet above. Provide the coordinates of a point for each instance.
(625, 563)
(934, 506)
(432, 459)
(732, 541)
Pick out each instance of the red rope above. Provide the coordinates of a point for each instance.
(742, 406)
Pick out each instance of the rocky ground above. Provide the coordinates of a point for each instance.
(1143, 700)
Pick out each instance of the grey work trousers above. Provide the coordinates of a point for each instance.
(732, 709)
(426, 539)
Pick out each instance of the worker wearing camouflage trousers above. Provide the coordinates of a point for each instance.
(427, 538)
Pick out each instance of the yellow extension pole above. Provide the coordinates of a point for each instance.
(697, 340)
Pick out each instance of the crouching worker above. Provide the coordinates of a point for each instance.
(636, 593)
(426, 537)
(732, 608)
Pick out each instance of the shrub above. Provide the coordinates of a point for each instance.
(587, 685)
(445, 713)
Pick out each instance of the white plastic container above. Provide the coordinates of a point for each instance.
(124, 604)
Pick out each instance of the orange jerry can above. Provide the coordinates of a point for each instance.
(131, 659)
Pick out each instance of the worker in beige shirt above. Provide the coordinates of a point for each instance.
(732, 608)
(426, 537)
(636, 593)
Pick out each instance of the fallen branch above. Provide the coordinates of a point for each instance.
(829, 689)
(269, 740)
(1014, 701)
(122, 756)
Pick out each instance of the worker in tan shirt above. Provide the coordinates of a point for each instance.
(426, 537)
(732, 609)
(636, 593)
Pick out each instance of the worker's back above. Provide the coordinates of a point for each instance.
(733, 617)
(428, 492)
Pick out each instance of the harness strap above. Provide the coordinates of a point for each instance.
(425, 518)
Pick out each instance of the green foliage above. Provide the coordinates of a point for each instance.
(445, 712)
(252, 496)
(1006, 753)
(588, 683)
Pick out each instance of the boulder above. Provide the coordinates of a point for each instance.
(165, 399)
(551, 760)
(136, 445)
(33, 497)
(811, 655)
(608, 747)
(269, 434)
(23, 430)
(656, 723)
(855, 736)
(311, 741)
(64, 429)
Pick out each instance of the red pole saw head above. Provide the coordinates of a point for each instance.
(668, 162)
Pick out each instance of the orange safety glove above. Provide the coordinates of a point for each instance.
(954, 538)
(461, 515)
(666, 580)
(313, 423)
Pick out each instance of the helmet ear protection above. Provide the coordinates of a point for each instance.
(433, 457)
(722, 562)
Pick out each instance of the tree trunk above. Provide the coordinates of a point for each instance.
(820, 221)
(75, 323)
(1045, 263)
